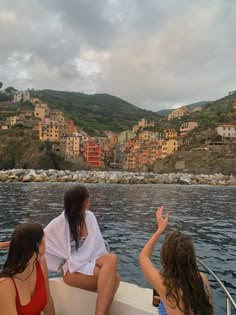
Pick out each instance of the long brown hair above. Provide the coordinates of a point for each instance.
(25, 241)
(74, 201)
(183, 282)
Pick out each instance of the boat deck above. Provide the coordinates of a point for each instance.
(129, 300)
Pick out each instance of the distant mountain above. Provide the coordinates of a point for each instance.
(96, 113)
(166, 112)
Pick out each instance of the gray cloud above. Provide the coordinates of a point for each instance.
(155, 54)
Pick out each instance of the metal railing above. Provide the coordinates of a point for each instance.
(229, 300)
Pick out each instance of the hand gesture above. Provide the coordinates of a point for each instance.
(161, 221)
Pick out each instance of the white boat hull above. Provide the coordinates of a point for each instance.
(129, 300)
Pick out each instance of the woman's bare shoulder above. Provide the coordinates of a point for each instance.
(6, 286)
(43, 265)
(8, 296)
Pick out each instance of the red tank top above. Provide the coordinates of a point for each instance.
(39, 298)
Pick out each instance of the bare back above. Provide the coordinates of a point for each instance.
(170, 304)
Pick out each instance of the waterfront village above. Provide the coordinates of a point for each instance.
(128, 150)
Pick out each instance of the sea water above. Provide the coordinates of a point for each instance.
(126, 215)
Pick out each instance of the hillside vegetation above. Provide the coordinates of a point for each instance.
(96, 113)
(20, 149)
(166, 112)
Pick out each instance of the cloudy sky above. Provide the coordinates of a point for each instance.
(155, 54)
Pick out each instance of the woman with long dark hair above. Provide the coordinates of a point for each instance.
(24, 286)
(75, 247)
(182, 288)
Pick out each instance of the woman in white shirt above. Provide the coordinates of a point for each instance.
(75, 246)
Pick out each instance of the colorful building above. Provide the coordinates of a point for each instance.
(48, 130)
(126, 136)
(179, 113)
(186, 127)
(56, 115)
(170, 134)
(93, 154)
(70, 126)
(72, 149)
(40, 112)
(172, 146)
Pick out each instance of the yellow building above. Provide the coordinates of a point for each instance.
(135, 128)
(170, 134)
(179, 113)
(48, 130)
(164, 149)
(142, 123)
(12, 120)
(39, 112)
(172, 146)
(147, 135)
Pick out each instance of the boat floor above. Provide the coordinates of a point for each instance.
(129, 300)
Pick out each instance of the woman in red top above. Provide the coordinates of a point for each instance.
(24, 286)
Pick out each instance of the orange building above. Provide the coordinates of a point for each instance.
(93, 154)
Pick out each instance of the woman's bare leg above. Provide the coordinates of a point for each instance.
(108, 282)
(105, 281)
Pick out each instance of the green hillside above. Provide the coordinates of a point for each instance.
(95, 113)
(166, 112)
(217, 112)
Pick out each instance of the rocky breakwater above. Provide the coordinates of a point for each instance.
(51, 175)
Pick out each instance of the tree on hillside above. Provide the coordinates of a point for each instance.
(10, 90)
(1, 84)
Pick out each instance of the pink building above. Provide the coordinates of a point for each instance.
(186, 127)
(70, 126)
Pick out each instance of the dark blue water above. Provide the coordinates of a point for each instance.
(126, 214)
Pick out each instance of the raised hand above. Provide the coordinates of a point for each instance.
(161, 220)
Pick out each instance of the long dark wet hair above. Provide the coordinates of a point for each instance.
(74, 202)
(183, 282)
(24, 244)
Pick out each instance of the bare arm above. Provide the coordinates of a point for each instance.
(208, 290)
(8, 297)
(151, 273)
(49, 308)
(4, 245)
